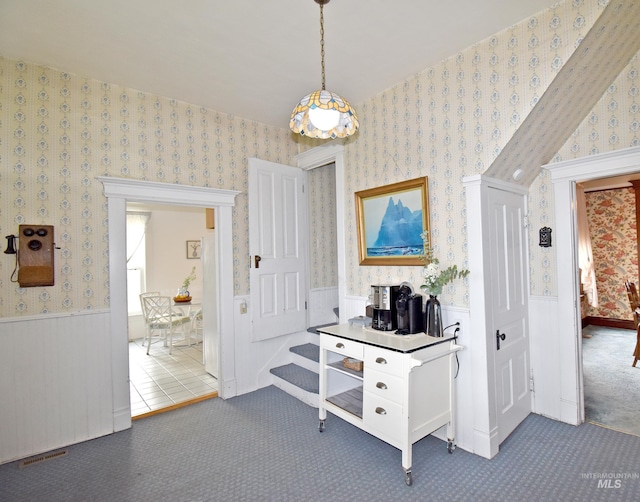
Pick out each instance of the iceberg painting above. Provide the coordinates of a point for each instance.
(391, 220)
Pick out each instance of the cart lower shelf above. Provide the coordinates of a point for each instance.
(350, 401)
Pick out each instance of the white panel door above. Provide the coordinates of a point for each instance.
(509, 307)
(277, 244)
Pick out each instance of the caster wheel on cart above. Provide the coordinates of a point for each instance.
(321, 426)
(450, 446)
(408, 478)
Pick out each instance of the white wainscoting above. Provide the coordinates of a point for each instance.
(55, 382)
(322, 301)
(546, 366)
(354, 306)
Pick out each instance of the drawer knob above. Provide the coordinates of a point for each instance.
(381, 360)
(381, 411)
(381, 385)
(340, 345)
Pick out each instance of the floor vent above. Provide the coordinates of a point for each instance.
(41, 458)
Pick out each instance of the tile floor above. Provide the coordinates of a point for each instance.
(159, 380)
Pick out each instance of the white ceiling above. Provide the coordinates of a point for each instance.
(250, 58)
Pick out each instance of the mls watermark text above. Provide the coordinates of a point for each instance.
(610, 480)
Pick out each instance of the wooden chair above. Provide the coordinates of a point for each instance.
(634, 303)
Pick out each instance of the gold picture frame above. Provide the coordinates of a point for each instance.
(390, 220)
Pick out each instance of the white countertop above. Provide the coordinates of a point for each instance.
(385, 339)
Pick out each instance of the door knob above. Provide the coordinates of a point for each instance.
(256, 260)
(499, 337)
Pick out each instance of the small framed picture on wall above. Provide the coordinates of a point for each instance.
(193, 250)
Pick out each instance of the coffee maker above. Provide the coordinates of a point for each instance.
(383, 302)
(409, 311)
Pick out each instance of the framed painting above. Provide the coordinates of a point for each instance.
(390, 221)
(193, 250)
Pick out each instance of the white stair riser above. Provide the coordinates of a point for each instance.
(304, 362)
(306, 397)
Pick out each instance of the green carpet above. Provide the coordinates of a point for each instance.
(611, 384)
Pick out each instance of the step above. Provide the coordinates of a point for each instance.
(298, 376)
(298, 382)
(307, 355)
(308, 350)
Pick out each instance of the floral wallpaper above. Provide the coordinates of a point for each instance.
(612, 225)
(602, 52)
(613, 124)
(323, 243)
(453, 119)
(58, 131)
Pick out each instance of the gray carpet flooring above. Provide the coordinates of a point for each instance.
(611, 384)
(265, 446)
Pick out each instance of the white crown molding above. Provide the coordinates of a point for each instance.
(603, 165)
(318, 156)
(170, 193)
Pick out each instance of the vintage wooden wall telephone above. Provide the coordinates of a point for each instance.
(34, 255)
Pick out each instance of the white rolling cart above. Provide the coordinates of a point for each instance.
(397, 388)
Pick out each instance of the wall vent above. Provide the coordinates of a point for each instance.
(41, 458)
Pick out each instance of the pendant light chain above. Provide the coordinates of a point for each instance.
(323, 114)
(322, 41)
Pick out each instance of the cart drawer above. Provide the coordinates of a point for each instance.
(384, 360)
(382, 416)
(384, 385)
(342, 346)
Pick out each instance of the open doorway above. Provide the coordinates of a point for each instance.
(119, 191)
(569, 383)
(332, 155)
(323, 247)
(607, 233)
(164, 250)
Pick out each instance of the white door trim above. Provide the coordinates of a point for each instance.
(318, 157)
(118, 191)
(564, 176)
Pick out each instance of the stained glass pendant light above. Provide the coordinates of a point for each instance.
(323, 114)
